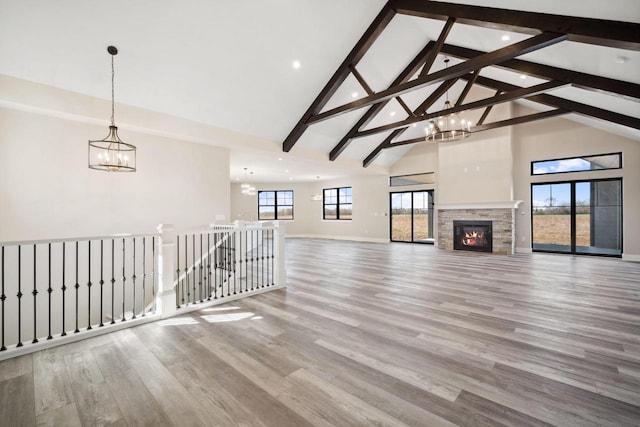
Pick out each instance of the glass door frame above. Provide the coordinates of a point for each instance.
(431, 215)
(572, 214)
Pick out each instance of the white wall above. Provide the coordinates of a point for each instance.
(47, 190)
(370, 208)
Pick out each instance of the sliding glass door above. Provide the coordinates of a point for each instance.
(412, 216)
(580, 217)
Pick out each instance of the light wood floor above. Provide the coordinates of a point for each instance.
(365, 334)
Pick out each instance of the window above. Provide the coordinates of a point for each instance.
(275, 205)
(415, 179)
(337, 203)
(577, 164)
(579, 217)
(412, 216)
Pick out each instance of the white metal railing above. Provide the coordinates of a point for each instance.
(61, 290)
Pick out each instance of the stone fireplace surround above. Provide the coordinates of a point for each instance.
(502, 215)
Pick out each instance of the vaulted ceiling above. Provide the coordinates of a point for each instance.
(534, 38)
(228, 64)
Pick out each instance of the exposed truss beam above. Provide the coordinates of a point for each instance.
(575, 78)
(360, 79)
(421, 110)
(508, 52)
(603, 32)
(520, 92)
(486, 112)
(570, 106)
(433, 54)
(495, 125)
(404, 76)
(367, 39)
(467, 87)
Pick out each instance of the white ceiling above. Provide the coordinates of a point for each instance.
(229, 64)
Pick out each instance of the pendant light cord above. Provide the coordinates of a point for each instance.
(113, 74)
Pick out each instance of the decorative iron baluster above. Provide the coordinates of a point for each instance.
(262, 258)
(77, 286)
(216, 268)
(186, 271)
(153, 272)
(19, 295)
(193, 266)
(133, 278)
(34, 293)
(178, 271)
(228, 275)
(49, 290)
(246, 264)
(2, 298)
(64, 287)
(101, 281)
(251, 259)
(144, 276)
(208, 267)
(233, 259)
(239, 258)
(89, 284)
(273, 236)
(200, 270)
(124, 281)
(113, 281)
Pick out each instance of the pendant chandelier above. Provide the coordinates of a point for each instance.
(112, 154)
(448, 127)
(247, 189)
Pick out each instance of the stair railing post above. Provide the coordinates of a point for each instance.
(166, 296)
(281, 271)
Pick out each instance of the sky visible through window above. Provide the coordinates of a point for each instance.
(557, 166)
(560, 194)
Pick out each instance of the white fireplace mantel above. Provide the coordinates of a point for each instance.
(506, 204)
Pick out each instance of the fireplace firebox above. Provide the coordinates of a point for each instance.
(472, 236)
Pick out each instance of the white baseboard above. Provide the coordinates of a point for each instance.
(324, 236)
(631, 257)
(524, 250)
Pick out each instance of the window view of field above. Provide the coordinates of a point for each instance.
(555, 229)
(401, 226)
(402, 206)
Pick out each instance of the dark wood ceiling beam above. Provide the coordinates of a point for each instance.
(468, 87)
(376, 151)
(523, 92)
(404, 76)
(508, 52)
(571, 106)
(582, 80)
(432, 55)
(405, 107)
(361, 80)
(370, 35)
(623, 35)
(486, 112)
(422, 108)
(528, 118)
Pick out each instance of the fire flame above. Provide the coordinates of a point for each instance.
(473, 238)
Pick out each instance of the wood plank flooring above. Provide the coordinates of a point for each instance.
(365, 334)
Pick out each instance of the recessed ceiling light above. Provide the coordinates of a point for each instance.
(279, 158)
(522, 76)
(393, 113)
(296, 64)
(621, 59)
(414, 125)
(505, 37)
(290, 178)
(286, 171)
(354, 94)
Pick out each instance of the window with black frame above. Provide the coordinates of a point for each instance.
(337, 203)
(275, 205)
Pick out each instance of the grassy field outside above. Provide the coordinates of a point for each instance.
(556, 229)
(401, 227)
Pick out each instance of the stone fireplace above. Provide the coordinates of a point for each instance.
(500, 215)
